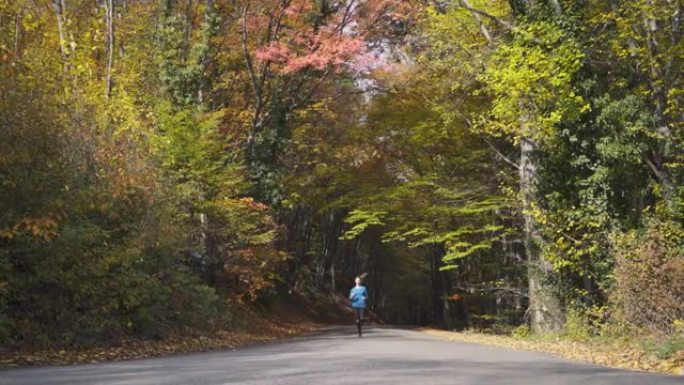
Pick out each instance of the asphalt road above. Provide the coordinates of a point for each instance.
(337, 356)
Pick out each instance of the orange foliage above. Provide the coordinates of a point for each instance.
(44, 228)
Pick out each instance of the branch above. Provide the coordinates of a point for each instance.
(504, 23)
(346, 17)
(366, 90)
(245, 51)
(659, 174)
(258, 101)
(483, 27)
(375, 21)
(483, 289)
(570, 237)
(502, 156)
(313, 89)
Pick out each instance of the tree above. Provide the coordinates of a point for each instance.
(291, 48)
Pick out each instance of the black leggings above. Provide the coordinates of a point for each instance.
(358, 312)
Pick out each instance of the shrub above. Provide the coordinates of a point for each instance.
(670, 347)
(522, 331)
(577, 326)
(649, 278)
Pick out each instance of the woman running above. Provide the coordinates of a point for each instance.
(359, 298)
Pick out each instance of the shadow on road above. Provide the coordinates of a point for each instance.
(337, 355)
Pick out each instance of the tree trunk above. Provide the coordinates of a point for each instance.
(109, 20)
(332, 279)
(60, 8)
(440, 304)
(555, 4)
(448, 320)
(545, 306)
(659, 79)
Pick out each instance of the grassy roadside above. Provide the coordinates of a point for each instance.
(616, 354)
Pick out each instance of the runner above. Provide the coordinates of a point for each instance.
(359, 297)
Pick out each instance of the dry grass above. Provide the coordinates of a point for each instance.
(613, 354)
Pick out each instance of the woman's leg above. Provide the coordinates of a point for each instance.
(358, 312)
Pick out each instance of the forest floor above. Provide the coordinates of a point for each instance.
(279, 319)
(616, 354)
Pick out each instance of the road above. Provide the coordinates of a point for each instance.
(337, 356)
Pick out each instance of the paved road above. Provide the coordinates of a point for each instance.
(338, 356)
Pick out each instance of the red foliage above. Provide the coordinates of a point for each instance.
(299, 37)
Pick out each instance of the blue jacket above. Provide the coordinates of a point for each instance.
(358, 296)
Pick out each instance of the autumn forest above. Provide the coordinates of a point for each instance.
(514, 166)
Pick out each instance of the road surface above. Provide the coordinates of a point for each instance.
(337, 356)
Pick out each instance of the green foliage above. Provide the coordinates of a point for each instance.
(193, 152)
(588, 84)
(576, 326)
(531, 81)
(521, 332)
(668, 349)
(431, 208)
(182, 60)
(361, 220)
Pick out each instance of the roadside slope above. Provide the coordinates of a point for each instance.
(614, 355)
(277, 318)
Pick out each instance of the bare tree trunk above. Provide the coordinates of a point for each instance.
(332, 279)
(208, 11)
(658, 83)
(17, 25)
(446, 311)
(109, 21)
(546, 313)
(436, 290)
(204, 233)
(60, 8)
(440, 302)
(659, 78)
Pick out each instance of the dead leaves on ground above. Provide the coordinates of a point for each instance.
(262, 332)
(616, 355)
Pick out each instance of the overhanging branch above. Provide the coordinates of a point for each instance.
(488, 15)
